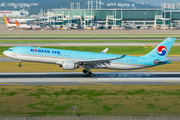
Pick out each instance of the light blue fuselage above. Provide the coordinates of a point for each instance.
(57, 56)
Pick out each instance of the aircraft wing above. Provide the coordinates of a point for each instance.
(98, 62)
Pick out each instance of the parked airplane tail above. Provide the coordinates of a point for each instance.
(162, 50)
(17, 23)
(4, 17)
(7, 23)
(7, 18)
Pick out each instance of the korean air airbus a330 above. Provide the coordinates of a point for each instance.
(70, 60)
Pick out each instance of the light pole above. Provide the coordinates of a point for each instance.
(73, 109)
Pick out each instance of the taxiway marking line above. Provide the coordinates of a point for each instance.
(94, 83)
(10, 84)
(171, 82)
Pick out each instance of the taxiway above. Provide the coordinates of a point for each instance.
(100, 78)
(83, 44)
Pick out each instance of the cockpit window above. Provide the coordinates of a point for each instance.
(10, 50)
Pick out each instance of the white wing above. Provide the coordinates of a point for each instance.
(98, 62)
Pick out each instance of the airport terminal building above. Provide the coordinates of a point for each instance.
(112, 18)
(20, 13)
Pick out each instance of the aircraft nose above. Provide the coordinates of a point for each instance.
(4, 52)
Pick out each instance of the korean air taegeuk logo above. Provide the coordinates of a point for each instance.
(162, 50)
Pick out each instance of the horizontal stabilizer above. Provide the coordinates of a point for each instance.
(105, 50)
(157, 62)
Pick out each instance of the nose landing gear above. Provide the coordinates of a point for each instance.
(20, 63)
(88, 72)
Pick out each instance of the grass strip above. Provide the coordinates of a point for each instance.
(87, 34)
(90, 100)
(82, 41)
(42, 67)
(46, 37)
(130, 50)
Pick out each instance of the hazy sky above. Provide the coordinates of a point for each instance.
(157, 1)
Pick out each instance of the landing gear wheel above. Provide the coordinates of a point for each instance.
(20, 63)
(91, 74)
(84, 71)
(87, 73)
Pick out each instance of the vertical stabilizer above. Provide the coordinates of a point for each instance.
(17, 24)
(7, 18)
(7, 23)
(162, 50)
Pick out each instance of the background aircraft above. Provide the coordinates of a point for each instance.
(70, 60)
(19, 20)
(25, 26)
(8, 24)
(36, 27)
(22, 26)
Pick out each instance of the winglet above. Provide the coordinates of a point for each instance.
(124, 55)
(105, 50)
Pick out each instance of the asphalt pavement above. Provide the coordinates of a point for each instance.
(143, 39)
(89, 36)
(77, 78)
(83, 44)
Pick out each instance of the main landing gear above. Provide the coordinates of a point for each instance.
(88, 72)
(20, 63)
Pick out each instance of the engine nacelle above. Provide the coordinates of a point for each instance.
(68, 65)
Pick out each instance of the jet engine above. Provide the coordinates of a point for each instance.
(68, 65)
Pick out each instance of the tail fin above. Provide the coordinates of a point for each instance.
(4, 17)
(7, 23)
(161, 51)
(17, 24)
(7, 18)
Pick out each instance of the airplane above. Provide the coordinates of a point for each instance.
(22, 26)
(70, 60)
(36, 27)
(27, 26)
(8, 24)
(19, 20)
